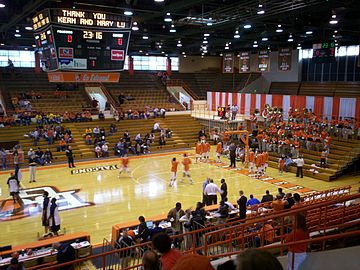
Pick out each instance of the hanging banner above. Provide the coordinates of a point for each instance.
(131, 65)
(228, 63)
(263, 61)
(358, 63)
(284, 59)
(244, 62)
(83, 77)
(168, 66)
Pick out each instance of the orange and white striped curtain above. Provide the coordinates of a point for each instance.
(330, 107)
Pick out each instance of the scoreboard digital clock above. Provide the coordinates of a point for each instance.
(81, 40)
(324, 52)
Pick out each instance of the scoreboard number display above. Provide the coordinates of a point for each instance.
(324, 52)
(81, 40)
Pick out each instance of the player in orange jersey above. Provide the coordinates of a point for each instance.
(124, 165)
(251, 161)
(206, 151)
(198, 151)
(186, 162)
(218, 151)
(258, 163)
(174, 165)
(266, 160)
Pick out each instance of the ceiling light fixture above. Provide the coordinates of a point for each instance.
(333, 20)
(140, 51)
(290, 39)
(168, 17)
(135, 26)
(237, 35)
(179, 44)
(209, 23)
(158, 1)
(2, 44)
(17, 35)
(145, 37)
(183, 53)
(33, 45)
(206, 35)
(261, 10)
(308, 32)
(279, 29)
(264, 39)
(2, 5)
(335, 31)
(255, 45)
(29, 28)
(128, 12)
(172, 29)
(247, 26)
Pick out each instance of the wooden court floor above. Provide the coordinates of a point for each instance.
(93, 198)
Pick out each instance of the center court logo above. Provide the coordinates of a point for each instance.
(95, 169)
(31, 202)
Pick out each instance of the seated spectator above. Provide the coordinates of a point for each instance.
(136, 115)
(266, 235)
(156, 127)
(162, 112)
(194, 262)
(101, 116)
(88, 131)
(88, 139)
(168, 133)
(125, 240)
(230, 205)
(105, 150)
(278, 204)
(96, 132)
(257, 259)
(288, 201)
(162, 140)
(62, 145)
(15, 265)
(169, 256)
(138, 138)
(98, 151)
(297, 200)
(267, 197)
(65, 252)
(48, 156)
(154, 231)
(156, 112)
(113, 128)
(95, 103)
(150, 260)
(252, 202)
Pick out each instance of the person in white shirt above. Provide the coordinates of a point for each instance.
(299, 166)
(156, 127)
(162, 112)
(14, 185)
(97, 151)
(105, 150)
(230, 205)
(211, 191)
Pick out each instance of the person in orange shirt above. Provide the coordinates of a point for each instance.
(198, 151)
(218, 151)
(266, 160)
(281, 164)
(206, 151)
(124, 165)
(258, 163)
(251, 161)
(174, 165)
(186, 162)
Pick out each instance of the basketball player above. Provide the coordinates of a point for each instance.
(174, 165)
(14, 186)
(218, 151)
(206, 151)
(198, 148)
(251, 161)
(266, 160)
(124, 165)
(186, 162)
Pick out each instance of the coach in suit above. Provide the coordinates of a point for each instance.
(242, 204)
(267, 197)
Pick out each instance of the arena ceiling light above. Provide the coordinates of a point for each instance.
(205, 41)
(255, 45)
(247, 26)
(237, 35)
(290, 39)
(279, 29)
(17, 35)
(168, 17)
(179, 43)
(159, 1)
(135, 26)
(260, 10)
(2, 44)
(333, 20)
(29, 28)
(309, 32)
(128, 12)
(172, 29)
(2, 5)
(209, 23)
(206, 35)
(145, 36)
(264, 39)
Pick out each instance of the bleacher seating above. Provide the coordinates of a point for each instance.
(145, 89)
(284, 88)
(200, 82)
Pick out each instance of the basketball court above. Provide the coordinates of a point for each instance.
(93, 198)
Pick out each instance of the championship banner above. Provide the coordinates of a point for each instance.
(84, 77)
(244, 62)
(263, 61)
(284, 59)
(228, 63)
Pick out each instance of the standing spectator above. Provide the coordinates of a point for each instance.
(206, 182)
(242, 204)
(54, 217)
(267, 197)
(45, 211)
(14, 186)
(211, 191)
(3, 158)
(16, 161)
(169, 256)
(143, 231)
(299, 166)
(125, 240)
(174, 216)
(32, 168)
(288, 162)
(297, 253)
(223, 188)
(323, 158)
(232, 152)
(70, 157)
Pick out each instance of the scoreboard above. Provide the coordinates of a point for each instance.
(81, 40)
(324, 52)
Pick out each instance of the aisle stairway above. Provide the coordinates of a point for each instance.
(184, 127)
(342, 154)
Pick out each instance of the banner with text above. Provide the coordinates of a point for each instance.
(263, 61)
(284, 59)
(83, 77)
(244, 62)
(228, 63)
